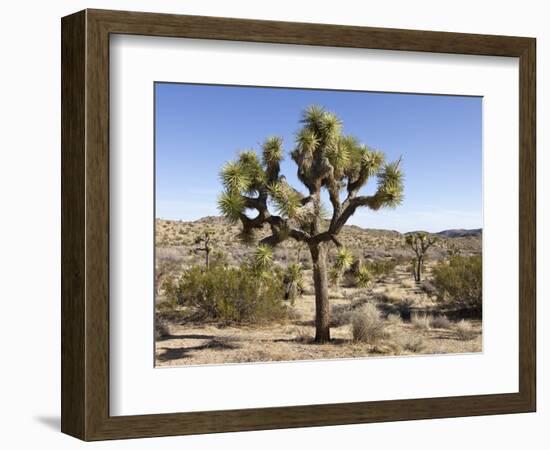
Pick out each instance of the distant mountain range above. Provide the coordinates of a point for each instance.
(460, 232)
(452, 233)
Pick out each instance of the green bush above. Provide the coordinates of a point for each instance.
(460, 281)
(235, 294)
(382, 267)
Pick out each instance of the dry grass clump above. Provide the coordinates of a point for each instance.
(414, 344)
(340, 315)
(428, 288)
(162, 329)
(407, 283)
(440, 322)
(367, 325)
(465, 331)
(392, 295)
(394, 319)
(303, 335)
(421, 321)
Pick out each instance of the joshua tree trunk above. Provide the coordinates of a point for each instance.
(419, 262)
(205, 241)
(322, 310)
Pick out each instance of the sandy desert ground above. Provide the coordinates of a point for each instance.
(411, 314)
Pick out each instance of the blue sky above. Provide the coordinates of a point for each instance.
(199, 127)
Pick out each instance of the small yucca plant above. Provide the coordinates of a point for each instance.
(263, 258)
(293, 280)
(364, 276)
(344, 259)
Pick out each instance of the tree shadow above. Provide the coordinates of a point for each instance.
(188, 336)
(184, 352)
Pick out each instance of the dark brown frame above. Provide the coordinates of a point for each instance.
(85, 224)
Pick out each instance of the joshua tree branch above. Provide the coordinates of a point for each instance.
(336, 241)
(335, 201)
(279, 235)
(348, 211)
(306, 200)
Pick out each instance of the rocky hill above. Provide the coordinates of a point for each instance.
(176, 240)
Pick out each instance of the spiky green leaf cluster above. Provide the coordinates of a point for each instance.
(272, 150)
(263, 258)
(287, 201)
(294, 273)
(326, 159)
(231, 204)
(390, 185)
(324, 154)
(234, 178)
(247, 175)
(344, 259)
(251, 166)
(364, 276)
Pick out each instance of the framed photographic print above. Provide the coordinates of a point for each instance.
(272, 225)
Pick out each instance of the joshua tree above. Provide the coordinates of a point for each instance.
(205, 240)
(326, 160)
(452, 251)
(420, 243)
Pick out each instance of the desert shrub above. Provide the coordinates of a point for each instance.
(407, 283)
(428, 287)
(219, 259)
(382, 267)
(367, 325)
(303, 335)
(465, 331)
(161, 329)
(440, 322)
(394, 319)
(171, 288)
(405, 308)
(392, 295)
(235, 294)
(340, 315)
(460, 281)
(420, 321)
(414, 344)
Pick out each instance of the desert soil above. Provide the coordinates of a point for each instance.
(210, 343)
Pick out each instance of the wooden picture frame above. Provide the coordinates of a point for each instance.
(85, 224)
